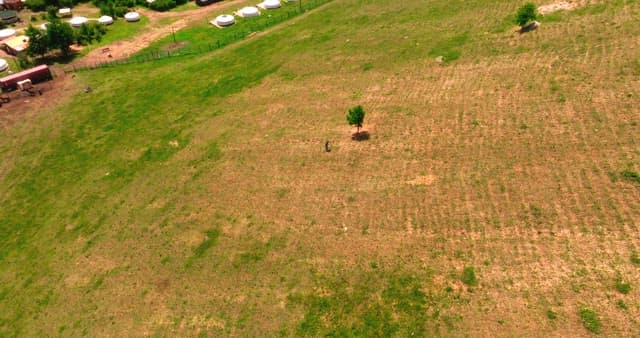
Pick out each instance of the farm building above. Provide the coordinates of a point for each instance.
(12, 4)
(36, 74)
(64, 12)
(15, 44)
(9, 16)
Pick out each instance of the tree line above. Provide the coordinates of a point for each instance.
(59, 35)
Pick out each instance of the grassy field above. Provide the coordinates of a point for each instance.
(119, 30)
(498, 194)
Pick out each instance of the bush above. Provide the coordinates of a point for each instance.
(52, 13)
(120, 11)
(24, 61)
(162, 5)
(89, 32)
(590, 320)
(631, 175)
(635, 258)
(36, 5)
(622, 287)
(469, 276)
(527, 13)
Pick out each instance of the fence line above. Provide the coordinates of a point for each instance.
(252, 28)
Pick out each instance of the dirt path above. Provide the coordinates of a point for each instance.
(156, 30)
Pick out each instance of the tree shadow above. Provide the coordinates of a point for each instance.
(361, 136)
(529, 27)
(58, 57)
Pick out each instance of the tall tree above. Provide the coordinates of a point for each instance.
(60, 36)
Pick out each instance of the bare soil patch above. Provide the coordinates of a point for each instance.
(53, 92)
(423, 180)
(559, 6)
(174, 46)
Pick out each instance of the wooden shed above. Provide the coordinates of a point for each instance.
(15, 44)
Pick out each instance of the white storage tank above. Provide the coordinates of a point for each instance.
(7, 33)
(77, 21)
(250, 11)
(105, 20)
(271, 4)
(132, 16)
(225, 20)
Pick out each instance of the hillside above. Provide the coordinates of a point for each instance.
(498, 194)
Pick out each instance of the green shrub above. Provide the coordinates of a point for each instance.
(631, 176)
(590, 320)
(621, 304)
(527, 13)
(551, 314)
(120, 11)
(635, 259)
(622, 287)
(89, 32)
(24, 61)
(36, 5)
(162, 5)
(469, 276)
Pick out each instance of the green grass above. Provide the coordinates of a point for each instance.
(468, 276)
(631, 175)
(190, 5)
(119, 30)
(622, 287)
(635, 258)
(191, 196)
(375, 306)
(205, 37)
(451, 48)
(590, 320)
(212, 237)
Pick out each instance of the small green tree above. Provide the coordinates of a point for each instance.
(356, 117)
(52, 13)
(24, 61)
(38, 41)
(89, 32)
(527, 13)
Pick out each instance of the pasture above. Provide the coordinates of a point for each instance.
(498, 194)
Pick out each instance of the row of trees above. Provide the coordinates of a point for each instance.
(60, 35)
(118, 8)
(42, 5)
(115, 8)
